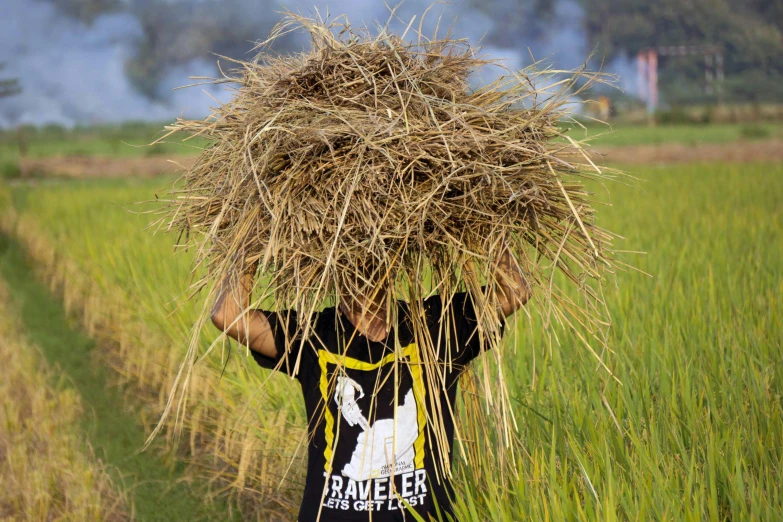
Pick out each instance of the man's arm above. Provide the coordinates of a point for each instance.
(514, 290)
(250, 328)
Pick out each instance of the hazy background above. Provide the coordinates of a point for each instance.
(102, 61)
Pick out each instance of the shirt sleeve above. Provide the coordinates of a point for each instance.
(463, 324)
(284, 327)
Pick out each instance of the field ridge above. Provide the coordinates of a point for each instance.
(161, 490)
(47, 471)
(216, 451)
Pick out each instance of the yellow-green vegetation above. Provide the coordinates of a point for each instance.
(160, 488)
(46, 472)
(130, 140)
(242, 439)
(117, 141)
(691, 431)
(620, 135)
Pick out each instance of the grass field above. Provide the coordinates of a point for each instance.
(692, 432)
(623, 135)
(131, 139)
(110, 140)
(46, 470)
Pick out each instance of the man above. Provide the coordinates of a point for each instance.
(368, 455)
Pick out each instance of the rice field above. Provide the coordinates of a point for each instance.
(691, 429)
(129, 140)
(47, 472)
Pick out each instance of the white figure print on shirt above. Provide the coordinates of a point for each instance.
(345, 397)
(379, 452)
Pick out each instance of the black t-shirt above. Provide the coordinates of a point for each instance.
(357, 461)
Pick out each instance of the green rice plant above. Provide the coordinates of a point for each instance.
(242, 440)
(690, 429)
(101, 140)
(45, 473)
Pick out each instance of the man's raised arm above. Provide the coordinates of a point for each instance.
(230, 314)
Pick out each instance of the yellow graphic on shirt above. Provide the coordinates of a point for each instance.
(389, 446)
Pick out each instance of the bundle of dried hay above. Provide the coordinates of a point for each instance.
(370, 163)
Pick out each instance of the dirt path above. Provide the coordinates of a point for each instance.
(104, 166)
(669, 153)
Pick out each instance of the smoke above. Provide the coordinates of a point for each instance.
(125, 64)
(74, 73)
(625, 68)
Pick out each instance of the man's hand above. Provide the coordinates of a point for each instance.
(513, 289)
